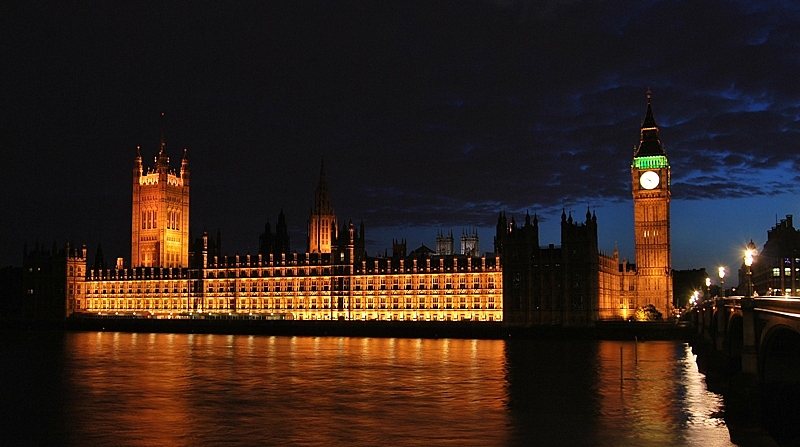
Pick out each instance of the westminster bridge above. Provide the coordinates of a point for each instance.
(759, 336)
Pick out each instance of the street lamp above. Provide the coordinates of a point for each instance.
(722, 282)
(708, 288)
(749, 254)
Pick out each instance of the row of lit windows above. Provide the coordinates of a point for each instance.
(382, 303)
(269, 272)
(301, 269)
(150, 219)
(418, 280)
(270, 287)
(421, 281)
(787, 271)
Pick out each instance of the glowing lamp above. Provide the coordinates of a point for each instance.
(750, 253)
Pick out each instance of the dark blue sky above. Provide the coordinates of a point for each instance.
(430, 116)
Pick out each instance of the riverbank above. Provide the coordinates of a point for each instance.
(385, 329)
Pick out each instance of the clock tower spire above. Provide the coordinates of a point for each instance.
(650, 175)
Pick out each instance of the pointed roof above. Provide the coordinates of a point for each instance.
(649, 120)
(649, 142)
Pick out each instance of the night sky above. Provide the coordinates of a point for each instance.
(429, 116)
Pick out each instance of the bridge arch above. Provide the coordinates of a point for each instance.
(780, 355)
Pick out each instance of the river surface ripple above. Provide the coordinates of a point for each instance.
(128, 389)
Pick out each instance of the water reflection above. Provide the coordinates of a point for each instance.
(651, 393)
(302, 391)
(188, 389)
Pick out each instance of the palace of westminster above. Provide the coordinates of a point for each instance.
(520, 283)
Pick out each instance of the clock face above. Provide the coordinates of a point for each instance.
(649, 180)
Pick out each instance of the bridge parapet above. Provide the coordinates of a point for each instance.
(746, 329)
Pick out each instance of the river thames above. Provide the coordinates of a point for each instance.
(128, 389)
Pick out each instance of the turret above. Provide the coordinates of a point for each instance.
(205, 249)
(137, 166)
(185, 168)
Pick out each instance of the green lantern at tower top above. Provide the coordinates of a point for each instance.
(651, 162)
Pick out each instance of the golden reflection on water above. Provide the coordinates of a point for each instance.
(189, 389)
(172, 389)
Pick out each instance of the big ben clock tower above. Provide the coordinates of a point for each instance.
(650, 174)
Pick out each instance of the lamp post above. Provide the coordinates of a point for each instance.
(721, 271)
(708, 289)
(749, 254)
(749, 340)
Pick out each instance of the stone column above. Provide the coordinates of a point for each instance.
(749, 344)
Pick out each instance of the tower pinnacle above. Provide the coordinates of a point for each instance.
(649, 143)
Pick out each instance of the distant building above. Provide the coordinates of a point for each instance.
(470, 245)
(46, 293)
(776, 269)
(445, 244)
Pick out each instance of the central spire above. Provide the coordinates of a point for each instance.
(322, 224)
